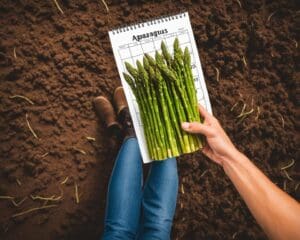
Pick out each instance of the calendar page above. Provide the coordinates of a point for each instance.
(130, 43)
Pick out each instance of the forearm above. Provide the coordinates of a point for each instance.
(276, 212)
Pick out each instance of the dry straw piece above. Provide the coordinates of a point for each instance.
(45, 154)
(203, 174)
(182, 189)
(33, 210)
(296, 43)
(17, 204)
(239, 3)
(289, 165)
(53, 198)
(30, 128)
(64, 181)
(284, 185)
(79, 150)
(258, 113)
(58, 7)
(15, 53)
(296, 187)
(76, 193)
(282, 120)
(244, 114)
(249, 112)
(22, 97)
(91, 139)
(270, 16)
(19, 182)
(218, 74)
(288, 176)
(243, 110)
(6, 197)
(12, 199)
(105, 5)
(244, 61)
(233, 107)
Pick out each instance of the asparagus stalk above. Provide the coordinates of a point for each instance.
(178, 66)
(166, 115)
(156, 116)
(190, 83)
(144, 117)
(166, 54)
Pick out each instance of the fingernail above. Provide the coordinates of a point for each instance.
(185, 125)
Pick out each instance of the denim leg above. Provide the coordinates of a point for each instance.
(159, 200)
(124, 194)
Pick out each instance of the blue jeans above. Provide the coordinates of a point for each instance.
(135, 211)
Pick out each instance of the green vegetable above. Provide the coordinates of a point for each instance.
(165, 92)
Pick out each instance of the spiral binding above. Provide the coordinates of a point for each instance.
(150, 22)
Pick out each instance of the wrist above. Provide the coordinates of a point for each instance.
(235, 157)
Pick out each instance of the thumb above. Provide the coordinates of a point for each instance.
(196, 127)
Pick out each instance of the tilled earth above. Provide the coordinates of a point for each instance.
(60, 62)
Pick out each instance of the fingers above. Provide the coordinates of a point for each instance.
(195, 127)
(203, 112)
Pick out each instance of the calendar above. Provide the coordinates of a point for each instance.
(131, 42)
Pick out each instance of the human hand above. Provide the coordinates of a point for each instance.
(219, 147)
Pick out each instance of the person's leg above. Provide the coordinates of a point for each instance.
(159, 200)
(124, 193)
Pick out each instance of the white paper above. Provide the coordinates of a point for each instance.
(127, 47)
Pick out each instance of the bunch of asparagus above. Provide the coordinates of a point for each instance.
(165, 92)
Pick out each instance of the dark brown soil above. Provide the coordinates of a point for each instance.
(62, 62)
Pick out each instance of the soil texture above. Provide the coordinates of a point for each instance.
(56, 155)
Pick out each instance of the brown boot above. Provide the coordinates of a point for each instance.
(105, 111)
(119, 99)
(126, 122)
(123, 113)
